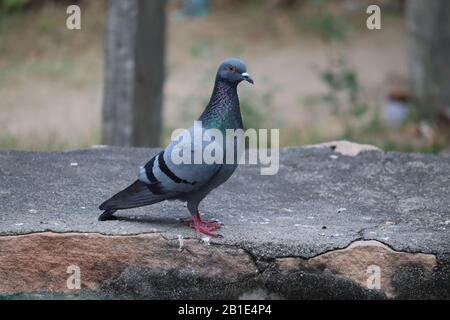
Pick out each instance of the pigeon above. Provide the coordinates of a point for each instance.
(164, 179)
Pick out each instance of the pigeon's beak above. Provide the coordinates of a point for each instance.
(246, 77)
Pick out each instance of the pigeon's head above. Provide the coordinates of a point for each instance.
(233, 70)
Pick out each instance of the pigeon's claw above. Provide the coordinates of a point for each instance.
(206, 223)
(202, 229)
(203, 226)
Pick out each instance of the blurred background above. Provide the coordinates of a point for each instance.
(320, 73)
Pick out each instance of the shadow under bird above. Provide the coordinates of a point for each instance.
(162, 179)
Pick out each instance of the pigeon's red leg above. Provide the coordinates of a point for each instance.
(202, 226)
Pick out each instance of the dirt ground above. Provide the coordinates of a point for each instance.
(51, 78)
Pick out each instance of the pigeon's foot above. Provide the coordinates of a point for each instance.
(207, 223)
(203, 226)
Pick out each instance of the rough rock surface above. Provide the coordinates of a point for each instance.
(345, 148)
(314, 230)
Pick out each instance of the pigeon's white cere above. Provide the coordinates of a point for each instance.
(245, 74)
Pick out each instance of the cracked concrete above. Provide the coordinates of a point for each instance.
(360, 260)
(322, 200)
(38, 262)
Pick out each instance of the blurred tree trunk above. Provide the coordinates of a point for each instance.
(429, 53)
(134, 72)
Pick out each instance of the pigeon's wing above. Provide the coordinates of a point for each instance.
(168, 174)
(137, 194)
(164, 178)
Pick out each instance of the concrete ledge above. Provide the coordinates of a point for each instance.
(326, 226)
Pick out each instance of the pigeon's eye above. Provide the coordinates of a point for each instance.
(232, 68)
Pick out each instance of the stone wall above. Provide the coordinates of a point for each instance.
(339, 220)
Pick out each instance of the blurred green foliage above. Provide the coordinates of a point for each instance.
(329, 26)
(360, 119)
(12, 5)
(345, 98)
(344, 94)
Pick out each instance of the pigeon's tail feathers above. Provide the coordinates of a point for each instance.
(136, 195)
(107, 215)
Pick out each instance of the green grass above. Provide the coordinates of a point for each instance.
(48, 142)
(51, 69)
